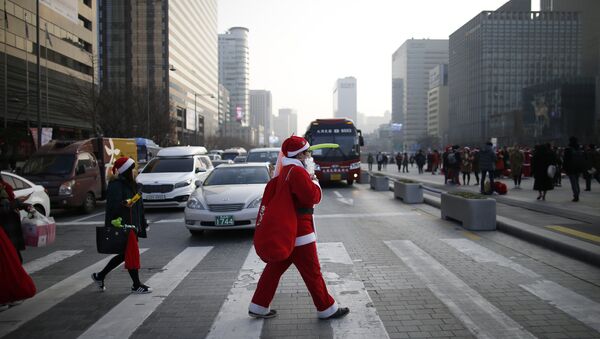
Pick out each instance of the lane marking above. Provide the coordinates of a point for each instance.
(129, 314)
(51, 259)
(480, 317)
(333, 253)
(471, 235)
(579, 307)
(575, 233)
(233, 320)
(15, 317)
(340, 198)
(88, 217)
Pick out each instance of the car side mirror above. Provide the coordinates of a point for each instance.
(80, 170)
(198, 183)
(361, 141)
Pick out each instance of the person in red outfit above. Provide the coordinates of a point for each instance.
(306, 192)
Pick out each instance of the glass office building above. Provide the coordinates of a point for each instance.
(497, 54)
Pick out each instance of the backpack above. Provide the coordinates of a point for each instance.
(452, 158)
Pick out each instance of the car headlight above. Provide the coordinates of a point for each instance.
(355, 165)
(183, 183)
(66, 188)
(255, 203)
(195, 204)
(317, 167)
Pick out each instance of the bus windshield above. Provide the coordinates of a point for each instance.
(347, 149)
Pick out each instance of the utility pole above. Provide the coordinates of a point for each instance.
(5, 69)
(39, 92)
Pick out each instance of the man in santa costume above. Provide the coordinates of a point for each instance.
(306, 192)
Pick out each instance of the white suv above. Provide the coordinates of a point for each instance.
(170, 178)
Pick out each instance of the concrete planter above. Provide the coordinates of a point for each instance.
(475, 214)
(409, 193)
(364, 177)
(379, 183)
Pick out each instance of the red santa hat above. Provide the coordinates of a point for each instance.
(121, 165)
(293, 145)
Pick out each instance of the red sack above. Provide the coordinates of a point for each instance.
(132, 252)
(276, 223)
(500, 187)
(15, 283)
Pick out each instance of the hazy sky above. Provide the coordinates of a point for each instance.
(298, 48)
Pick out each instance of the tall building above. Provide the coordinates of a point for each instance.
(495, 56)
(68, 40)
(234, 74)
(344, 98)
(261, 112)
(286, 123)
(167, 52)
(410, 80)
(438, 104)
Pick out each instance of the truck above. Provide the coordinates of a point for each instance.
(76, 173)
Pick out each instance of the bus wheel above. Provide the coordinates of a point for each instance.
(350, 182)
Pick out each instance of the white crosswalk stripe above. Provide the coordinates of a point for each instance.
(15, 317)
(49, 260)
(479, 316)
(136, 308)
(579, 307)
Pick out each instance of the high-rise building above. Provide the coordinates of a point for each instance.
(438, 107)
(68, 40)
(261, 113)
(286, 123)
(344, 98)
(495, 56)
(234, 74)
(167, 52)
(410, 80)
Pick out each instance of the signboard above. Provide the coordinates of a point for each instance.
(46, 135)
(66, 8)
(335, 131)
(239, 114)
(190, 119)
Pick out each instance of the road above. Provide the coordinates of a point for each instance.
(402, 270)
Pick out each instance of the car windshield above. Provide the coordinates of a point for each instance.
(50, 164)
(237, 176)
(266, 156)
(169, 165)
(229, 155)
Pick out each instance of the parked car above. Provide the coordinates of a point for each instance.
(263, 155)
(221, 162)
(214, 156)
(231, 153)
(228, 198)
(170, 178)
(240, 159)
(38, 197)
(216, 151)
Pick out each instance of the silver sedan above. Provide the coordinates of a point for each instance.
(228, 198)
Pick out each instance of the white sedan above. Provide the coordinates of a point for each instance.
(228, 198)
(23, 187)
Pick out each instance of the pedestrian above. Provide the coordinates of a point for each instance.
(454, 162)
(592, 158)
(475, 164)
(466, 166)
(445, 164)
(435, 161)
(379, 159)
(420, 160)
(487, 163)
(370, 161)
(10, 216)
(499, 164)
(385, 160)
(411, 160)
(405, 163)
(516, 165)
(119, 193)
(305, 192)
(429, 167)
(399, 161)
(542, 158)
(559, 155)
(574, 164)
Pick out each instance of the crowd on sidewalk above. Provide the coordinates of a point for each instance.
(546, 163)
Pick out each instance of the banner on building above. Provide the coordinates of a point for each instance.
(66, 8)
(46, 135)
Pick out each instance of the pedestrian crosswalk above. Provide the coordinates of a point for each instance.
(348, 284)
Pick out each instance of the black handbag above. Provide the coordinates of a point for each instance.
(111, 240)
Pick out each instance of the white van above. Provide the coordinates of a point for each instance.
(170, 178)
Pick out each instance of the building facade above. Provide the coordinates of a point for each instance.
(410, 80)
(286, 124)
(497, 54)
(68, 37)
(261, 112)
(344, 98)
(166, 52)
(438, 104)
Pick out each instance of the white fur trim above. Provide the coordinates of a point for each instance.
(316, 182)
(254, 308)
(126, 166)
(291, 161)
(304, 148)
(329, 311)
(306, 239)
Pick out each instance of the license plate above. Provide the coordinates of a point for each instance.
(336, 177)
(154, 197)
(224, 220)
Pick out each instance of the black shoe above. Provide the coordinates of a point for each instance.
(340, 313)
(271, 314)
(575, 199)
(587, 189)
(142, 289)
(99, 282)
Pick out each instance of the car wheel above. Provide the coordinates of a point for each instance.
(350, 182)
(89, 204)
(196, 232)
(40, 209)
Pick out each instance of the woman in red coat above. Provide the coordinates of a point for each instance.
(306, 192)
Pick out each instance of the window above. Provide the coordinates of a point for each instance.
(16, 183)
(86, 160)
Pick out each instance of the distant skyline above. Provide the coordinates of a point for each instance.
(298, 49)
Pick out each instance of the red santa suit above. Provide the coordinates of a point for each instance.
(305, 194)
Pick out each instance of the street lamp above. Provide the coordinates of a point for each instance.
(171, 68)
(212, 96)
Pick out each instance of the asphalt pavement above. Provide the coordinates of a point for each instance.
(402, 270)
